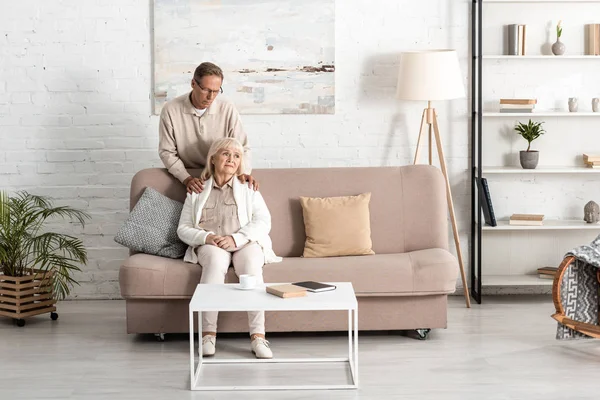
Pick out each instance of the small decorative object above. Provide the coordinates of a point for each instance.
(591, 212)
(558, 48)
(595, 104)
(37, 266)
(530, 131)
(573, 104)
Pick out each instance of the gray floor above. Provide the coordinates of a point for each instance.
(503, 349)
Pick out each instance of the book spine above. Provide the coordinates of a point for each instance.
(596, 39)
(523, 106)
(486, 189)
(486, 203)
(589, 33)
(520, 40)
(593, 39)
(516, 110)
(512, 44)
(524, 39)
(519, 101)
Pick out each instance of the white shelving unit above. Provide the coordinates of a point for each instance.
(507, 256)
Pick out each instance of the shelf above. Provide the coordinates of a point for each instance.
(541, 170)
(506, 57)
(541, 1)
(515, 280)
(549, 225)
(542, 114)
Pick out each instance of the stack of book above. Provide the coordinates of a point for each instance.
(591, 161)
(517, 35)
(547, 272)
(593, 39)
(526, 219)
(286, 290)
(517, 105)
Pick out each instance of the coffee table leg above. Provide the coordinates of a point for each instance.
(350, 342)
(356, 346)
(192, 383)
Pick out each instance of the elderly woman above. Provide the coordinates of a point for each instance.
(227, 222)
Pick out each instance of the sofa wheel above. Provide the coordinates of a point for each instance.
(160, 337)
(20, 322)
(54, 316)
(422, 334)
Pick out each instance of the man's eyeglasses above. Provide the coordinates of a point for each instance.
(207, 91)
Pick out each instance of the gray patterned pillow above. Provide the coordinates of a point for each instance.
(151, 227)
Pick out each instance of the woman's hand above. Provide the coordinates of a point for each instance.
(194, 185)
(225, 242)
(210, 239)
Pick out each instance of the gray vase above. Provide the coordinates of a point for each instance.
(558, 48)
(529, 159)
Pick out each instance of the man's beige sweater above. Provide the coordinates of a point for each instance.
(185, 136)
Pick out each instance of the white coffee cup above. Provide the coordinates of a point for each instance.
(247, 281)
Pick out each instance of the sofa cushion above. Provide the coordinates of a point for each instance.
(337, 226)
(422, 272)
(151, 226)
(432, 271)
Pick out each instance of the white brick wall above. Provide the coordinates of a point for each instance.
(75, 118)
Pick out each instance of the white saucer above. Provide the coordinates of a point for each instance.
(238, 287)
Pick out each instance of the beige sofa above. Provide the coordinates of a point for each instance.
(403, 286)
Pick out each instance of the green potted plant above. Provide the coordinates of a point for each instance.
(36, 265)
(529, 131)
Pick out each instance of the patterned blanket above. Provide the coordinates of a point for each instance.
(579, 289)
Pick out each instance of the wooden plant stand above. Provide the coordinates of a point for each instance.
(26, 296)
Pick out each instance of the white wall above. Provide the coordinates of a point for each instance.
(75, 118)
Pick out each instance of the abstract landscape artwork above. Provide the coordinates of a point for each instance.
(278, 56)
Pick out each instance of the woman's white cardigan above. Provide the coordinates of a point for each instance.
(253, 214)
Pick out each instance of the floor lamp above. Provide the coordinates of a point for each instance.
(429, 76)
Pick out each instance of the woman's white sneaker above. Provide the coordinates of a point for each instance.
(260, 348)
(208, 345)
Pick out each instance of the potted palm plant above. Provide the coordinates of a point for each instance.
(529, 131)
(36, 265)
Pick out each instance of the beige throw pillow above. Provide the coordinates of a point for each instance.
(337, 226)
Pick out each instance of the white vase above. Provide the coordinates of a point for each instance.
(573, 104)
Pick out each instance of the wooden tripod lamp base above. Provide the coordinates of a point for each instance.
(426, 75)
(429, 126)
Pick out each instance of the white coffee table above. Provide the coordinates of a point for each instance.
(227, 297)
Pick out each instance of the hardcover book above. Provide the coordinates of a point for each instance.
(486, 202)
(527, 217)
(286, 290)
(315, 286)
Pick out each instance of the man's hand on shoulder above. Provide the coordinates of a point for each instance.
(251, 181)
(194, 184)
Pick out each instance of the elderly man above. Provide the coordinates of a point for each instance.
(190, 123)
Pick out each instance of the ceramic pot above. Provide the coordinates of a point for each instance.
(529, 159)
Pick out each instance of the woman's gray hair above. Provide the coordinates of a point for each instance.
(220, 144)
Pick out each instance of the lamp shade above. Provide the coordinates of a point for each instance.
(430, 75)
